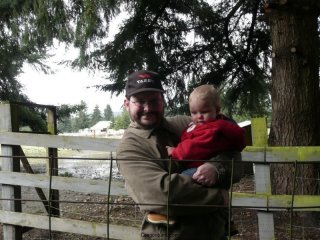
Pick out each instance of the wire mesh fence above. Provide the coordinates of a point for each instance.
(121, 210)
(95, 205)
(91, 206)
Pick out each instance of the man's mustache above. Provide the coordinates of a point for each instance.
(148, 113)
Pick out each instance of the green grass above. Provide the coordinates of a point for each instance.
(39, 155)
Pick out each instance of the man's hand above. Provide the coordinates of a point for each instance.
(169, 150)
(206, 175)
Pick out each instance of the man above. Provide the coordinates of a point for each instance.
(154, 182)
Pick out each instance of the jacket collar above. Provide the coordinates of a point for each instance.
(146, 133)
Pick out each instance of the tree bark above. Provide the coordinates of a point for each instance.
(295, 90)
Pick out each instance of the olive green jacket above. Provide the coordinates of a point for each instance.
(150, 177)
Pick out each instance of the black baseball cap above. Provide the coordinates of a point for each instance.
(143, 81)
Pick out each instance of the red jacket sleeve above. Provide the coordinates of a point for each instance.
(234, 134)
(208, 140)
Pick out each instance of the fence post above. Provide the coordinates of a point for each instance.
(8, 123)
(53, 161)
(262, 178)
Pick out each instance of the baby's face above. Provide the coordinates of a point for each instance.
(202, 112)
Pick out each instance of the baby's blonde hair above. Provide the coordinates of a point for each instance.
(206, 93)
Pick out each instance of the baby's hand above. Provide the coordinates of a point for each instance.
(169, 150)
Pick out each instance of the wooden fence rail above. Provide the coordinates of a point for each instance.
(260, 201)
(259, 153)
(245, 200)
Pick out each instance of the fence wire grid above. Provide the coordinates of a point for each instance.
(121, 210)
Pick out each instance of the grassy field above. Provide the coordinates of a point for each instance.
(37, 155)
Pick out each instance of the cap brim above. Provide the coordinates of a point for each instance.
(145, 90)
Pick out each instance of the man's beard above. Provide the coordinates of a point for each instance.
(155, 117)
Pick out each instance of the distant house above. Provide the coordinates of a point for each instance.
(100, 128)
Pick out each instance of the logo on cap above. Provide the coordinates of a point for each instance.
(144, 78)
(145, 75)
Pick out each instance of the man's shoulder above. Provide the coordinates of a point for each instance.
(132, 138)
(177, 123)
(178, 119)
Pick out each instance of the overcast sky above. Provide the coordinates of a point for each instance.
(67, 86)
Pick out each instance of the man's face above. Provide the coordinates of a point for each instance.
(146, 108)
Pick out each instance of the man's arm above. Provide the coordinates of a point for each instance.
(222, 163)
(149, 183)
(225, 164)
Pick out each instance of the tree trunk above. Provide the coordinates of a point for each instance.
(295, 90)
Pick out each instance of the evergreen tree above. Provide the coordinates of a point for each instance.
(108, 114)
(122, 121)
(27, 29)
(65, 125)
(294, 27)
(82, 119)
(231, 44)
(191, 43)
(96, 116)
(66, 114)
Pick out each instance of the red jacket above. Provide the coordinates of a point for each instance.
(202, 142)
